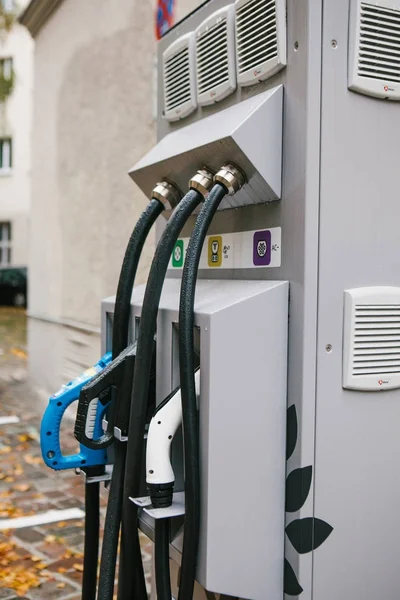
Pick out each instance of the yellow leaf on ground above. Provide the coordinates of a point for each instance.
(50, 539)
(78, 567)
(19, 353)
(61, 585)
(5, 450)
(62, 570)
(21, 487)
(32, 460)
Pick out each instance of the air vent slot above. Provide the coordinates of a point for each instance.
(215, 57)
(374, 67)
(179, 78)
(372, 338)
(260, 39)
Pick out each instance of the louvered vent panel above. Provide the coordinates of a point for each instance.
(379, 54)
(260, 39)
(371, 348)
(215, 65)
(376, 339)
(374, 61)
(179, 89)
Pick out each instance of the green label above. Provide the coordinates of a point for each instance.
(177, 254)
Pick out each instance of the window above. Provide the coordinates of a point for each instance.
(8, 5)
(5, 244)
(6, 68)
(5, 154)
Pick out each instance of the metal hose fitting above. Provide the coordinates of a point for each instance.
(231, 177)
(167, 193)
(202, 182)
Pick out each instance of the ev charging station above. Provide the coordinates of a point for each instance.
(290, 106)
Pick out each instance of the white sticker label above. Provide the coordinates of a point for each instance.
(255, 249)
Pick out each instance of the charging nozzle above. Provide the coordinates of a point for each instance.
(202, 182)
(167, 193)
(231, 177)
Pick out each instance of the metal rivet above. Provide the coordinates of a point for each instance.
(151, 471)
(51, 454)
(296, 46)
(334, 44)
(328, 347)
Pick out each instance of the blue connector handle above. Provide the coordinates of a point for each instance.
(51, 424)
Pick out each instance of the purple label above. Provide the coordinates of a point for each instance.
(262, 248)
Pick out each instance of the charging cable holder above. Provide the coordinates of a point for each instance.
(177, 508)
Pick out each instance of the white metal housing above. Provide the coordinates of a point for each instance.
(260, 39)
(374, 48)
(179, 78)
(371, 348)
(215, 56)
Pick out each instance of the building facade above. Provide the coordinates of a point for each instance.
(93, 119)
(16, 94)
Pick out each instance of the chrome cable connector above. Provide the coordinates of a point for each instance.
(202, 182)
(167, 193)
(231, 177)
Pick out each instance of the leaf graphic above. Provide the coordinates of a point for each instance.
(308, 534)
(291, 585)
(291, 431)
(298, 485)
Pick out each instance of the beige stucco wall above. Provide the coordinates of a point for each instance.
(15, 121)
(92, 121)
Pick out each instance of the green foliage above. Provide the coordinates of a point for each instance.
(6, 86)
(7, 19)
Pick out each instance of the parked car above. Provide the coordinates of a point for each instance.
(13, 286)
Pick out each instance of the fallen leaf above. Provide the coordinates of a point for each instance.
(62, 570)
(32, 460)
(78, 567)
(62, 524)
(61, 585)
(21, 487)
(35, 558)
(9, 479)
(5, 450)
(19, 353)
(49, 539)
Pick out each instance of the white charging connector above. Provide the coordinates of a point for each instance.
(162, 429)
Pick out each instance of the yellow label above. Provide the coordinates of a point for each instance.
(215, 251)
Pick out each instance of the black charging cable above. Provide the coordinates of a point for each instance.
(119, 342)
(130, 556)
(230, 179)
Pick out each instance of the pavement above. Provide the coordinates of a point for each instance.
(44, 561)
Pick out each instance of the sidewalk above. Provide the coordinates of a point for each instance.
(44, 561)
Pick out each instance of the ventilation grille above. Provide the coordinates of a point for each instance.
(376, 339)
(212, 58)
(215, 58)
(371, 338)
(379, 50)
(179, 94)
(256, 34)
(260, 39)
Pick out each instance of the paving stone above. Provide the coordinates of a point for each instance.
(49, 591)
(53, 550)
(29, 535)
(70, 503)
(6, 594)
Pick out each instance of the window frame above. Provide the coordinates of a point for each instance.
(5, 243)
(6, 168)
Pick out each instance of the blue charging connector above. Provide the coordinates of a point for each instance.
(51, 424)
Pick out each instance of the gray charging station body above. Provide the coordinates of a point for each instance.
(337, 231)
